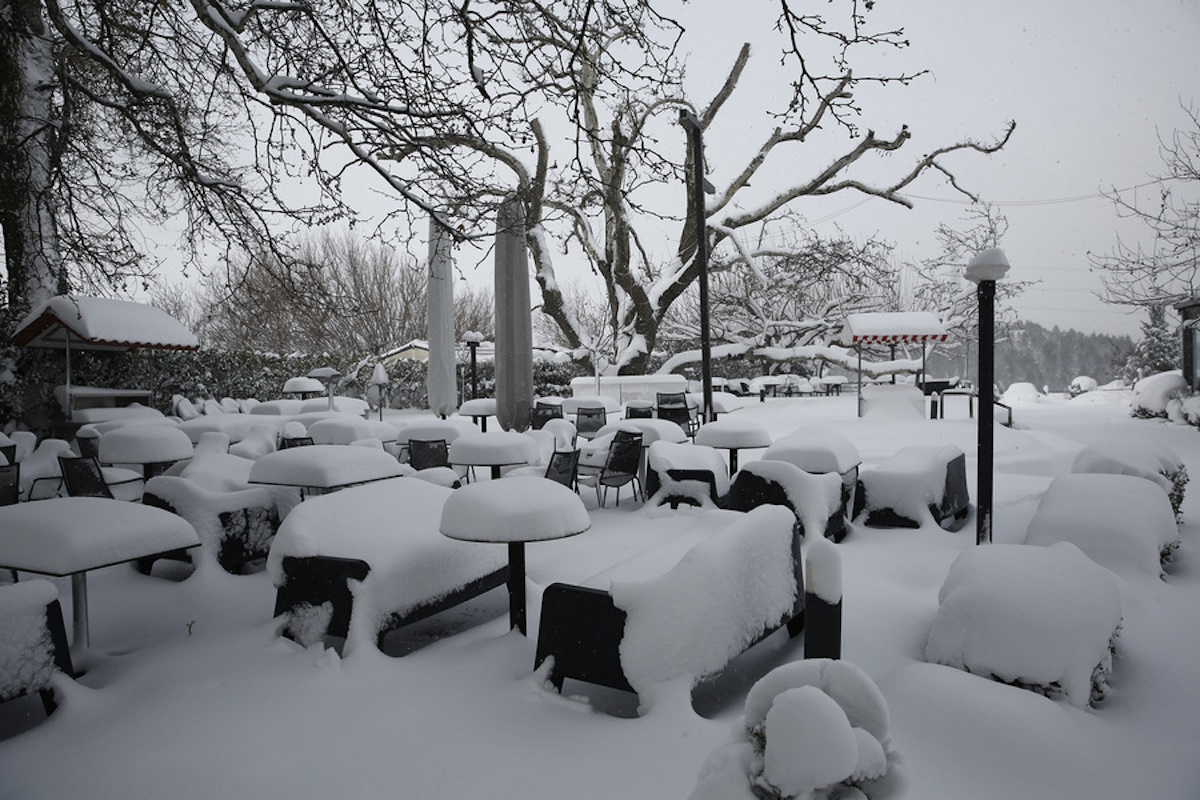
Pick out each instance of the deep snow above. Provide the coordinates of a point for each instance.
(189, 693)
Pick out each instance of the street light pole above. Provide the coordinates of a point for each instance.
(698, 189)
(473, 339)
(987, 267)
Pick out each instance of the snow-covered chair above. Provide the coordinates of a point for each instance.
(685, 473)
(815, 499)
(715, 599)
(33, 641)
(918, 483)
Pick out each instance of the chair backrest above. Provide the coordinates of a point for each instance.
(9, 451)
(82, 477)
(295, 441)
(671, 400)
(563, 467)
(590, 419)
(540, 415)
(624, 454)
(426, 453)
(10, 484)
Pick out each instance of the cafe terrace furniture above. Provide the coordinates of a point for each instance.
(539, 415)
(622, 465)
(71, 536)
(33, 641)
(478, 409)
(818, 450)
(514, 511)
(814, 498)
(733, 434)
(685, 473)
(10, 484)
(918, 482)
(369, 559)
(322, 468)
(686, 607)
(675, 406)
(346, 429)
(495, 450)
(151, 448)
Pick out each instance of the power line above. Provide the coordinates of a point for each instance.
(1054, 201)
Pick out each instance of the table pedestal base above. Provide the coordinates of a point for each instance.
(79, 610)
(516, 586)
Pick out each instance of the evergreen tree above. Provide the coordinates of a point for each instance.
(1158, 350)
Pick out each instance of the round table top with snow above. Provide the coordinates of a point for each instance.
(144, 444)
(522, 508)
(731, 432)
(493, 448)
(816, 450)
(652, 430)
(324, 466)
(478, 407)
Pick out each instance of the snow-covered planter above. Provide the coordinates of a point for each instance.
(1041, 618)
(28, 653)
(918, 484)
(1159, 465)
(811, 729)
(1121, 522)
(1021, 392)
(1153, 394)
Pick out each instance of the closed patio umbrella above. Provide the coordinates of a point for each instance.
(514, 328)
(440, 383)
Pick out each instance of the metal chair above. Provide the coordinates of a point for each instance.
(83, 477)
(9, 451)
(426, 453)
(589, 419)
(540, 415)
(295, 441)
(674, 407)
(10, 484)
(621, 466)
(563, 468)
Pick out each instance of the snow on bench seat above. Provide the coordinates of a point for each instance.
(389, 529)
(919, 483)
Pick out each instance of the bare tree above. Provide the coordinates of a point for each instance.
(1167, 269)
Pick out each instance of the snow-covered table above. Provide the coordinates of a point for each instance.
(496, 450)
(65, 536)
(345, 429)
(733, 434)
(150, 447)
(324, 467)
(516, 510)
(479, 409)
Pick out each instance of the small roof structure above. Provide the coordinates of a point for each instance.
(101, 323)
(893, 327)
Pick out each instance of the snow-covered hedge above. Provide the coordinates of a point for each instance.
(1153, 394)
(1160, 465)
(1121, 522)
(810, 729)
(1042, 618)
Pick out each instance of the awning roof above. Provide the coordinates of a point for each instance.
(897, 327)
(101, 323)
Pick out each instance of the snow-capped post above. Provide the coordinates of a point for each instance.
(822, 599)
(379, 379)
(327, 376)
(472, 340)
(514, 327)
(443, 392)
(698, 189)
(987, 267)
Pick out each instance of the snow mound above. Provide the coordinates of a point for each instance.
(1020, 392)
(1121, 522)
(1042, 618)
(1152, 394)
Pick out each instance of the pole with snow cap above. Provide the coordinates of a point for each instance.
(822, 598)
(699, 187)
(987, 267)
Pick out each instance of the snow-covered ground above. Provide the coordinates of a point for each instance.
(189, 693)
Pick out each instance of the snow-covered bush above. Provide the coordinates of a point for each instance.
(26, 650)
(1161, 465)
(1020, 392)
(1042, 618)
(1152, 394)
(1081, 385)
(811, 729)
(1121, 522)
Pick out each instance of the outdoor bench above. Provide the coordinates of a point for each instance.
(816, 500)
(363, 561)
(681, 613)
(917, 482)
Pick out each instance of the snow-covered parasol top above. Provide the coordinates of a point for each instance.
(101, 323)
(893, 328)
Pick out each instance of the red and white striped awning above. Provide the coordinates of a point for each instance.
(900, 327)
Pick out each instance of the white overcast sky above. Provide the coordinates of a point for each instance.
(1090, 83)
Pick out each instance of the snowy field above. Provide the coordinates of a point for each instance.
(189, 692)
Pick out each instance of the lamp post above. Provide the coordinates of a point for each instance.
(987, 267)
(698, 189)
(379, 379)
(472, 339)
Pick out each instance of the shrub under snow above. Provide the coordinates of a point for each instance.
(1160, 465)
(1152, 394)
(1042, 618)
(810, 729)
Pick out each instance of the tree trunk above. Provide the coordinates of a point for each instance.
(27, 155)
